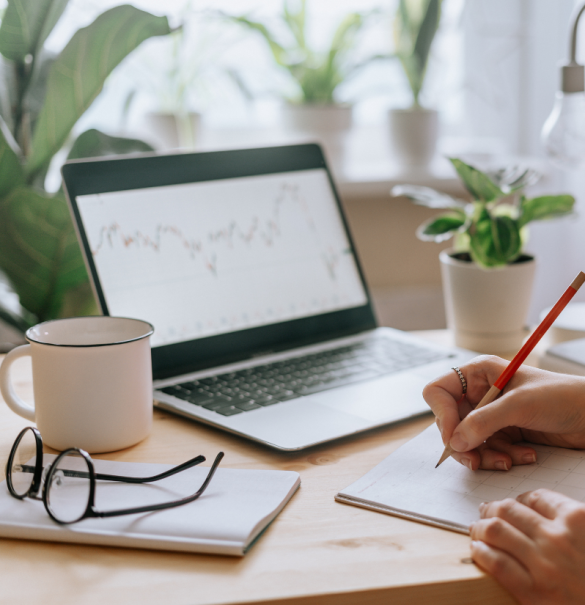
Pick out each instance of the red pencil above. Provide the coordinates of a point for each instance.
(523, 353)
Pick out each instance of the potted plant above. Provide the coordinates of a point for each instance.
(43, 97)
(487, 277)
(313, 107)
(414, 130)
(181, 76)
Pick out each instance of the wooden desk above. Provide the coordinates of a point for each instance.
(316, 551)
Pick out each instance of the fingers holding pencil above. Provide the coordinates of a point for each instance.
(536, 406)
(498, 385)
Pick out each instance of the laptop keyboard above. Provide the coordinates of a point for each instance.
(253, 388)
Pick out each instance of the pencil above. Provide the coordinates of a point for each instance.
(523, 353)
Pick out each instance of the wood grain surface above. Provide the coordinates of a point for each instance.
(317, 551)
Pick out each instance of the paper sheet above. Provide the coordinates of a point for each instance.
(236, 507)
(407, 484)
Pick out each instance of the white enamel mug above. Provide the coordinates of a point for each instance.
(92, 382)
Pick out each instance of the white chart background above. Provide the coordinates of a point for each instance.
(208, 258)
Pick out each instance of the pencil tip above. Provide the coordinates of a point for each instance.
(448, 451)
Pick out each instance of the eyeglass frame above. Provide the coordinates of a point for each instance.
(43, 475)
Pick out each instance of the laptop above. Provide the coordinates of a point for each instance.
(243, 262)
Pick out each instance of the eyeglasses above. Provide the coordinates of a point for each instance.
(69, 482)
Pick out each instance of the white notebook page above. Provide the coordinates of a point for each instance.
(407, 484)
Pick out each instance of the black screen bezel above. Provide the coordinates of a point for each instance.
(85, 177)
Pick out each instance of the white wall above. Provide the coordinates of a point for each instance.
(512, 52)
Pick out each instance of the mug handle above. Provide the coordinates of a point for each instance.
(15, 403)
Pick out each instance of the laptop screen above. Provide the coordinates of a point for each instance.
(229, 254)
(201, 259)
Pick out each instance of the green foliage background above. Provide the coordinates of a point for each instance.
(41, 98)
(316, 74)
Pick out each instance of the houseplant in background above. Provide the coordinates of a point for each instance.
(316, 76)
(487, 278)
(43, 97)
(183, 74)
(414, 130)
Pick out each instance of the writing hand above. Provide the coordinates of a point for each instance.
(535, 406)
(534, 546)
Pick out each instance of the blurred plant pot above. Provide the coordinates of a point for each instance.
(325, 124)
(413, 135)
(487, 308)
(174, 130)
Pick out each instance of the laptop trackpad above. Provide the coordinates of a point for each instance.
(382, 400)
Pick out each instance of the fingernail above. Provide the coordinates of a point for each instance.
(482, 508)
(438, 421)
(467, 463)
(458, 443)
(529, 458)
(501, 465)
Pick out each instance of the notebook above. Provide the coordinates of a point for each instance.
(243, 262)
(235, 509)
(407, 484)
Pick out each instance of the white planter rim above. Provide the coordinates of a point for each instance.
(448, 257)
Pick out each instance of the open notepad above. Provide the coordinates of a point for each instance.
(407, 484)
(236, 507)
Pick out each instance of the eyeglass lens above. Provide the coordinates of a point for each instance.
(23, 463)
(68, 487)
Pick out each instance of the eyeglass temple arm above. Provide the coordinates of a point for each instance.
(155, 507)
(176, 469)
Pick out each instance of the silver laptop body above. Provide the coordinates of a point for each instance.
(243, 262)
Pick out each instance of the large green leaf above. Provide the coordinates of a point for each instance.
(94, 143)
(11, 172)
(441, 228)
(495, 241)
(547, 206)
(26, 25)
(78, 75)
(479, 185)
(39, 251)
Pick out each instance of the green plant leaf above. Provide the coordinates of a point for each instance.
(544, 207)
(278, 51)
(11, 172)
(78, 74)
(36, 92)
(415, 26)
(26, 25)
(422, 46)
(94, 143)
(479, 185)
(441, 228)
(494, 241)
(39, 253)
(296, 22)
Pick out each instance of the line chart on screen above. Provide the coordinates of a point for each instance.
(203, 258)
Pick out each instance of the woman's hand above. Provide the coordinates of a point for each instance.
(536, 406)
(534, 546)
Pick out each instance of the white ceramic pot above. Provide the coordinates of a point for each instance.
(174, 131)
(324, 124)
(413, 135)
(487, 308)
